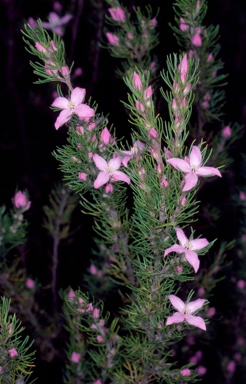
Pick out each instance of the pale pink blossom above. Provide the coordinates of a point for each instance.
(188, 248)
(109, 171)
(138, 146)
(192, 167)
(117, 14)
(226, 132)
(185, 312)
(56, 22)
(13, 352)
(75, 357)
(72, 106)
(112, 39)
(136, 81)
(21, 201)
(30, 283)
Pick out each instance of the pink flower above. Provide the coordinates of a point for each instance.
(75, 357)
(138, 146)
(21, 201)
(201, 370)
(185, 372)
(100, 339)
(192, 168)
(96, 313)
(109, 171)
(185, 312)
(112, 39)
(231, 366)
(56, 22)
(136, 81)
(188, 247)
(30, 283)
(97, 382)
(13, 352)
(117, 14)
(72, 106)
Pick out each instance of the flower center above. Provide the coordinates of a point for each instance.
(71, 105)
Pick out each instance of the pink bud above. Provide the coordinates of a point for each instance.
(231, 366)
(96, 313)
(179, 269)
(13, 352)
(241, 284)
(112, 39)
(109, 188)
(148, 93)
(71, 294)
(140, 106)
(100, 339)
(117, 14)
(201, 370)
(105, 136)
(184, 68)
(40, 47)
(164, 183)
(82, 176)
(30, 283)
(211, 312)
(136, 81)
(20, 201)
(65, 71)
(226, 132)
(57, 6)
(185, 372)
(183, 26)
(153, 133)
(210, 57)
(196, 40)
(93, 269)
(75, 357)
(53, 45)
(97, 382)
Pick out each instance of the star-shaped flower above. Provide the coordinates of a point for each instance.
(56, 22)
(109, 171)
(188, 247)
(185, 312)
(192, 167)
(72, 106)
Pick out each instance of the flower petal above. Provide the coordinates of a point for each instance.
(195, 157)
(84, 111)
(100, 162)
(191, 180)
(193, 306)
(115, 163)
(63, 117)
(177, 302)
(197, 244)
(181, 236)
(60, 102)
(208, 171)
(175, 318)
(77, 95)
(120, 176)
(192, 258)
(102, 178)
(179, 164)
(174, 248)
(197, 321)
(65, 19)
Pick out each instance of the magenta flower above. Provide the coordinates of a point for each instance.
(72, 106)
(188, 248)
(109, 171)
(192, 167)
(56, 22)
(185, 312)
